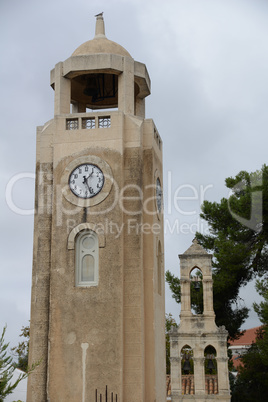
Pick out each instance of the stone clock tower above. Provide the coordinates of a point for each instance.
(97, 310)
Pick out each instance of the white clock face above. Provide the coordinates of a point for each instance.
(158, 195)
(86, 180)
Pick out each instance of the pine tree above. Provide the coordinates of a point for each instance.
(238, 240)
(6, 370)
(22, 350)
(252, 380)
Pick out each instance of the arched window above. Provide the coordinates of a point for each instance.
(87, 259)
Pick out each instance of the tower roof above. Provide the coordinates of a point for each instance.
(195, 249)
(100, 44)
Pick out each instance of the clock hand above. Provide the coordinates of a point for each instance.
(86, 178)
(85, 181)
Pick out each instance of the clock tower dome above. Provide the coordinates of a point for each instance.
(97, 309)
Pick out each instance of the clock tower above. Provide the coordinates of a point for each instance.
(97, 309)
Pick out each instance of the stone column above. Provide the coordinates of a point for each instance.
(78, 107)
(199, 375)
(208, 296)
(38, 348)
(126, 87)
(140, 107)
(185, 297)
(223, 378)
(175, 365)
(62, 92)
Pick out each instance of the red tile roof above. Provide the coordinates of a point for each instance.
(236, 361)
(246, 339)
(243, 342)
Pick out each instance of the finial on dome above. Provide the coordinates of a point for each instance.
(100, 29)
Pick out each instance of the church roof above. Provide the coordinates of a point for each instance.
(246, 338)
(238, 346)
(100, 44)
(195, 248)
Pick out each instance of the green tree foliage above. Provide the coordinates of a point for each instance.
(6, 370)
(252, 381)
(7, 365)
(238, 239)
(22, 350)
(170, 322)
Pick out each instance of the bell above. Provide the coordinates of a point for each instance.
(197, 286)
(186, 367)
(210, 365)
(100, 87)
(92, 87)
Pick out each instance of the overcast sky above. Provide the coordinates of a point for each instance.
(208, 63)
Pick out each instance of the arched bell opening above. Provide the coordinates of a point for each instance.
(197, 303)
(187, 370)
(95, 91)
(211, 371)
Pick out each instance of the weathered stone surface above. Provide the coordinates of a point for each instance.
(112, 333)
(198, 332)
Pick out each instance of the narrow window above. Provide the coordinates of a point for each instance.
(87, 258)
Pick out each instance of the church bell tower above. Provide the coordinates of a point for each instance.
(97, 308)
(198, 348)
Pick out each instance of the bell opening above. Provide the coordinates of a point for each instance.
(95, 91)
(196, 278)
(210, 360)
(187, 366)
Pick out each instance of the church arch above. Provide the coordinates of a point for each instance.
(193, 271)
